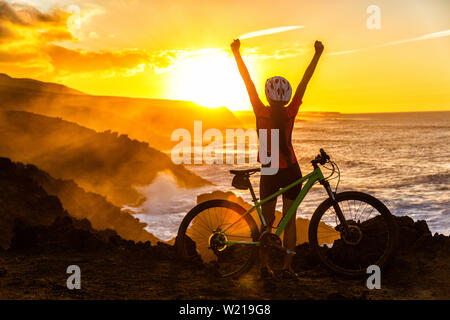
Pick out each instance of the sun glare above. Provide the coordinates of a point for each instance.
(209, 78)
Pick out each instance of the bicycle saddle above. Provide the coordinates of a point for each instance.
(245, 172)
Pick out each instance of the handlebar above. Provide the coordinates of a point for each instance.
(321, 158)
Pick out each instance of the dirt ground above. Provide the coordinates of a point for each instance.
(155, 273)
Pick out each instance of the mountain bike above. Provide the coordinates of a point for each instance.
(348, 231)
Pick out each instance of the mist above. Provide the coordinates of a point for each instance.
(165, 205)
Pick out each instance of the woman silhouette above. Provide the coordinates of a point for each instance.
(278, 116)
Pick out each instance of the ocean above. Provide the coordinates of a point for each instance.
(401, 158)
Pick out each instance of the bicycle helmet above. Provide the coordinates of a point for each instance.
(278, 89)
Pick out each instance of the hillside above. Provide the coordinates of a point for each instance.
(151, 120)
(105, 163)
(37, 199)
(16, 85)
(21, 198)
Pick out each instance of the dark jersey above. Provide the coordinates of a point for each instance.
(264, 120)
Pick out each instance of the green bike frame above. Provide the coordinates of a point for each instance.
(310, 179)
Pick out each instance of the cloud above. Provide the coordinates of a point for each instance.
(9, 14)
(77, 61)
(28, 16)
(440, 34)
(24, 23)
(8, 57)
(265, 32)
(283, 53)
(296, 50)
(93, 35)
(81, 17)
(5, 33)
(32, 41)
(36, 44)
(24, 31)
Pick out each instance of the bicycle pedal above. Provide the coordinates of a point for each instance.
(287, 251)
(290, 252)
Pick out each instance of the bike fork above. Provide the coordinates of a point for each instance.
(336, 207)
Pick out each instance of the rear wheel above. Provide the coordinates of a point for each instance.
(370, 239)
(203, 232)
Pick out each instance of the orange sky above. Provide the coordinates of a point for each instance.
(179, 49)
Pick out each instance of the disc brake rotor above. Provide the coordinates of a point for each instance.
(353, 236)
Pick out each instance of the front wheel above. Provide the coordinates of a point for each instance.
(207, 231)
(369, 240)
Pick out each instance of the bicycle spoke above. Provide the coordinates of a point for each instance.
(203, 225)
(353, 250)
(209, 240)
(363, 211)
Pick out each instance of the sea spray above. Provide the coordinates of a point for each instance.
(166, 203)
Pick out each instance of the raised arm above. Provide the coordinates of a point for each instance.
(309, 71)
(251, 89)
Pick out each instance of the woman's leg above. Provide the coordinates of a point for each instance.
(267, 187)
(291, 174)
(268, 211)
(290, 234)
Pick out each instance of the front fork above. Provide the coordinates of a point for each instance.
(336, 207)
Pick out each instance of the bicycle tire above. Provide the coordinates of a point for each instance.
(321, 252)
(182, 241)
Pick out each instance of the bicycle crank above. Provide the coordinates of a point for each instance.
(270, 240)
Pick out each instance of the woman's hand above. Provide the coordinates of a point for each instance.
(235, 46)
(319, 47)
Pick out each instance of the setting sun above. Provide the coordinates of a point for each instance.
(209, 78)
